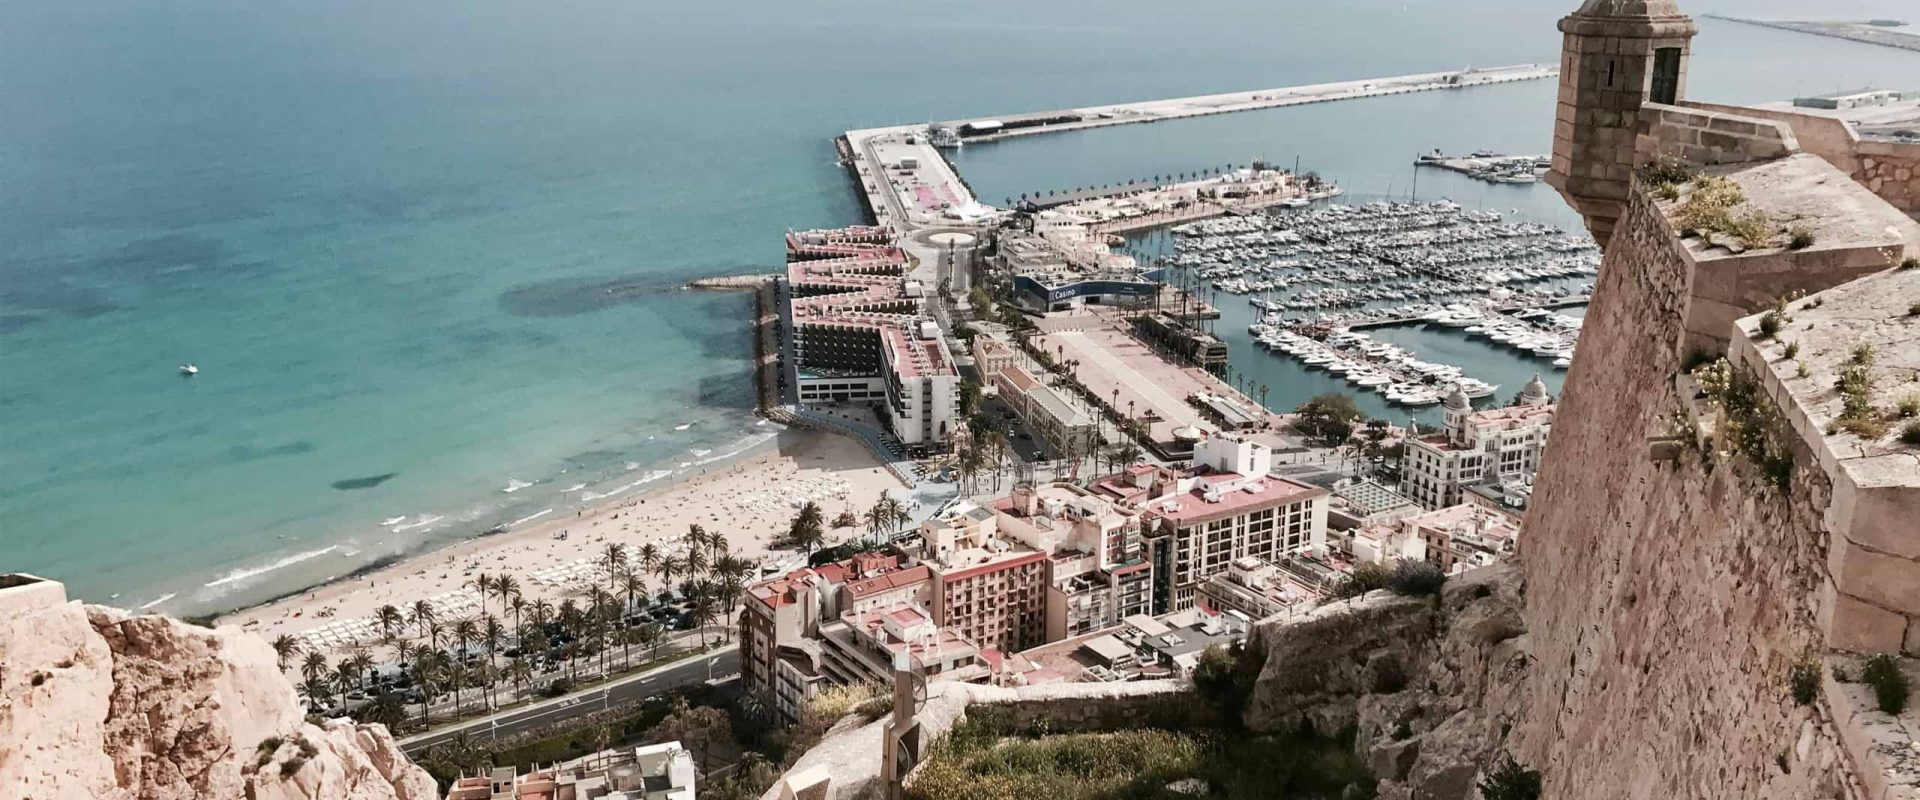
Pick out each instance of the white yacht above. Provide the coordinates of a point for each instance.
(189, 369)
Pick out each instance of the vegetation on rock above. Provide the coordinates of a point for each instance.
(1890, 689)
(1510, 781)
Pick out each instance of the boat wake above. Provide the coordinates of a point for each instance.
(576, 487)
(514, 485)
(392, 521)
(243, 574)
(163, 598)
(683, 427)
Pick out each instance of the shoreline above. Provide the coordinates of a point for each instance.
(750, 498)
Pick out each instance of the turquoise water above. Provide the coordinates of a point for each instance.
(421, 251)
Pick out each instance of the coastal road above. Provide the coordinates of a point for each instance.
(719, 663)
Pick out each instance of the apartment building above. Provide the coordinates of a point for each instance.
(1226, 507)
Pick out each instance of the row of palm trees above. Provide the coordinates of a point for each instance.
(809, 528)
(473, 656)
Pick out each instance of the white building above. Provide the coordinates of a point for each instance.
(1491, 446)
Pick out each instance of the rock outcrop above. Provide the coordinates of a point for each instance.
(1429, 686)
(98, 703)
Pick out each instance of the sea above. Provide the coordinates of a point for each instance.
(429, 257)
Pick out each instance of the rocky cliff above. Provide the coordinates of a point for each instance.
(97, 703)
(1430, 685)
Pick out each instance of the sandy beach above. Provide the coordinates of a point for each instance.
(752, 501)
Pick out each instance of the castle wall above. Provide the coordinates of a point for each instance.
(1888, 169)
(1667, 599)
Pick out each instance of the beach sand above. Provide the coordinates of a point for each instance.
(751, 501)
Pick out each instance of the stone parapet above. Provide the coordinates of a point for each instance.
(1872, 600)
(1710, 138)
(1888, 169)
(21, 593)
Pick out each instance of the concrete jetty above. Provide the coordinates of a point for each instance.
(987, 129)
(732, 283)
(1565, 302)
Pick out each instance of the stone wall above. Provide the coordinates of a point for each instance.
(1671, 589)
(1888, 169)
(1710, 138)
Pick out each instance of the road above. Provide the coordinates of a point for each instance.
(722, 662)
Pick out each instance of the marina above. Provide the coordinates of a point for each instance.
(1491, 167)
(1314, 278)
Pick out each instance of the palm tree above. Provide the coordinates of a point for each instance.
(598, 600)
(669, 567)
(390, 620)
(704, 607)
(456, 673)
(695, 561)
(539, 613)
(507, 589)
(385, 709)
(483, 583)
(728, 590)
(319, 695)
(491, 635)
(632, 585)
(519, 605)
(649, 557)
(571, 623)
(611, 560)
(425, 672)
(403, 651)
(314, 667)
(361, 664)
(653, 635)
(520, 670)
(422, 615)
(808, 529)
(343, 679)
(286, 648)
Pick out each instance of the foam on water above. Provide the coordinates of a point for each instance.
(254, 572)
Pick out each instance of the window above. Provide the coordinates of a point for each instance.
(1666, 75)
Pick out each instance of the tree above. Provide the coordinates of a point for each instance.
(649, 557)
(421, 615)
(704, 607)
(807, 531)
(1328, 417)
(315, 666)
(390, 620)
(700, 729)
(286, 648)
(507, 589)
(386, 708)
(1510, 781)
(359, 664)
(611, 561)
(425, 672)
(633, 585)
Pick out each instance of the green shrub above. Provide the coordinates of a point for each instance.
(1910, 263)
(1668, 171)
(1913, 310)
(1801, 371)
(1804, 679)
(1908, 407)
(1792, 351)
(1882, 673)
(1799, 238)
(1911, 434)
(1510, 781)
(1415, 578)
(1363, 579)
(1770, 324)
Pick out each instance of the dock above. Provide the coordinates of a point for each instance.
(987, 129)
(1863, 32)
(1567, 302)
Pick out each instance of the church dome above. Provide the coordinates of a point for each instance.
(1457, 399)
(1535, 389)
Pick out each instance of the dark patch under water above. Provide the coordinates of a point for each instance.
(368, 482)
(10, 323)
(566, 297)
(247, 452)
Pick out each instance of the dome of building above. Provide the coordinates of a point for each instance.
(1189, 433)
(1457, 399)
(1535, 389)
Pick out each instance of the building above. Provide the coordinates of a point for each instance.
(1258, 589)
(655, 772)
(1367, 502)
(1493, 446)
(1060, 265)
(1464, 536)
(1098, 569)
(1049, 413)
(863, 646)
(780, 620)
(1227, 507)
(853, 334)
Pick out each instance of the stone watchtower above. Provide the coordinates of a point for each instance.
(1617, 55)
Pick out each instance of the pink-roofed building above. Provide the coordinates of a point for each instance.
(1227, 507)
(780, 615)
(862, 646)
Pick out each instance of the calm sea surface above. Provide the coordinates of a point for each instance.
(424, 253)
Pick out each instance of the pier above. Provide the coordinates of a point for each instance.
(987, 129)
(1863, 32)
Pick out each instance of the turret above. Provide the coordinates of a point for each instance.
(1534, 393)
(1457, 409)
(1617, 56)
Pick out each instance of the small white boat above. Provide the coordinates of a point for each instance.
(1563, 362)
(189, 369)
